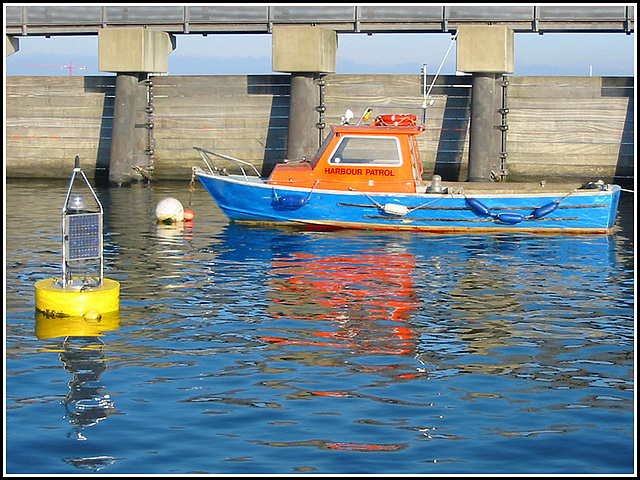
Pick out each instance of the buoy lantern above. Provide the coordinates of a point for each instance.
(82, 290)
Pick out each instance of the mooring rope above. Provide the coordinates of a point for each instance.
(400, 210)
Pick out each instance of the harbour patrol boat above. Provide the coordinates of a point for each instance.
(368, 176)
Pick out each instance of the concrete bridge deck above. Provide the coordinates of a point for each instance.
(203, 19)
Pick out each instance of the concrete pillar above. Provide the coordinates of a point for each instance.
(131, 53)
(484, 145)
(487, 52)
(306, 53)
(303, 116)
(123, 132)
(12, 45)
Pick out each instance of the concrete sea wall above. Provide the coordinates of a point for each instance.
(577, 128)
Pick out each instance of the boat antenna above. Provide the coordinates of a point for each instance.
(427, 94)
(424, 93)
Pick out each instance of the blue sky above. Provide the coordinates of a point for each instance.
(599, 54)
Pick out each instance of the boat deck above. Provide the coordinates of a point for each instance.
(471, 188)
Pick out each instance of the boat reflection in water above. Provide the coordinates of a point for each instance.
(82, 353)
(444, 304)
(366, 300)
(384, 309)
(364, 306)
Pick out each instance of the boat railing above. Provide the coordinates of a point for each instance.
(205, 154)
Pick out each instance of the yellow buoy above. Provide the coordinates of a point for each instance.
(73, 295)
(90, 302)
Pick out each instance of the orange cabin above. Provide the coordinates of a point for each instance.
(380, 157)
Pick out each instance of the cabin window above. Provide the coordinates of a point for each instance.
(353, 150)
(323, 147)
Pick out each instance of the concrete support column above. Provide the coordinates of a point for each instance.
(305, 52)
(487, 52)
(131, 53)
(483, 136)
(123, 134)
(303, 116)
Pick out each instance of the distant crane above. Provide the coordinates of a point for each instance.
(70, 66)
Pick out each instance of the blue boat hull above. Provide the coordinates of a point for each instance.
(492, 209)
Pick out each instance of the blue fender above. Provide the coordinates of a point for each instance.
(478, 207)
(544, 210)
(508, 217)
(292, 201)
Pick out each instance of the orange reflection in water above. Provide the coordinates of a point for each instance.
(365, 447)
(366, 299)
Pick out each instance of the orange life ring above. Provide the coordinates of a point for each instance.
(396, 120)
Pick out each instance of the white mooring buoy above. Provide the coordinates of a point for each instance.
(169, 210)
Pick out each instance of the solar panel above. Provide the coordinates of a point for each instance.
(83, 236)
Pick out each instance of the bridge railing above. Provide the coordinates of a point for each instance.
(75, 20)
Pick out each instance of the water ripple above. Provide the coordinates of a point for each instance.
(247, 350)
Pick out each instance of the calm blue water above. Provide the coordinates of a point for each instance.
(243, 350)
